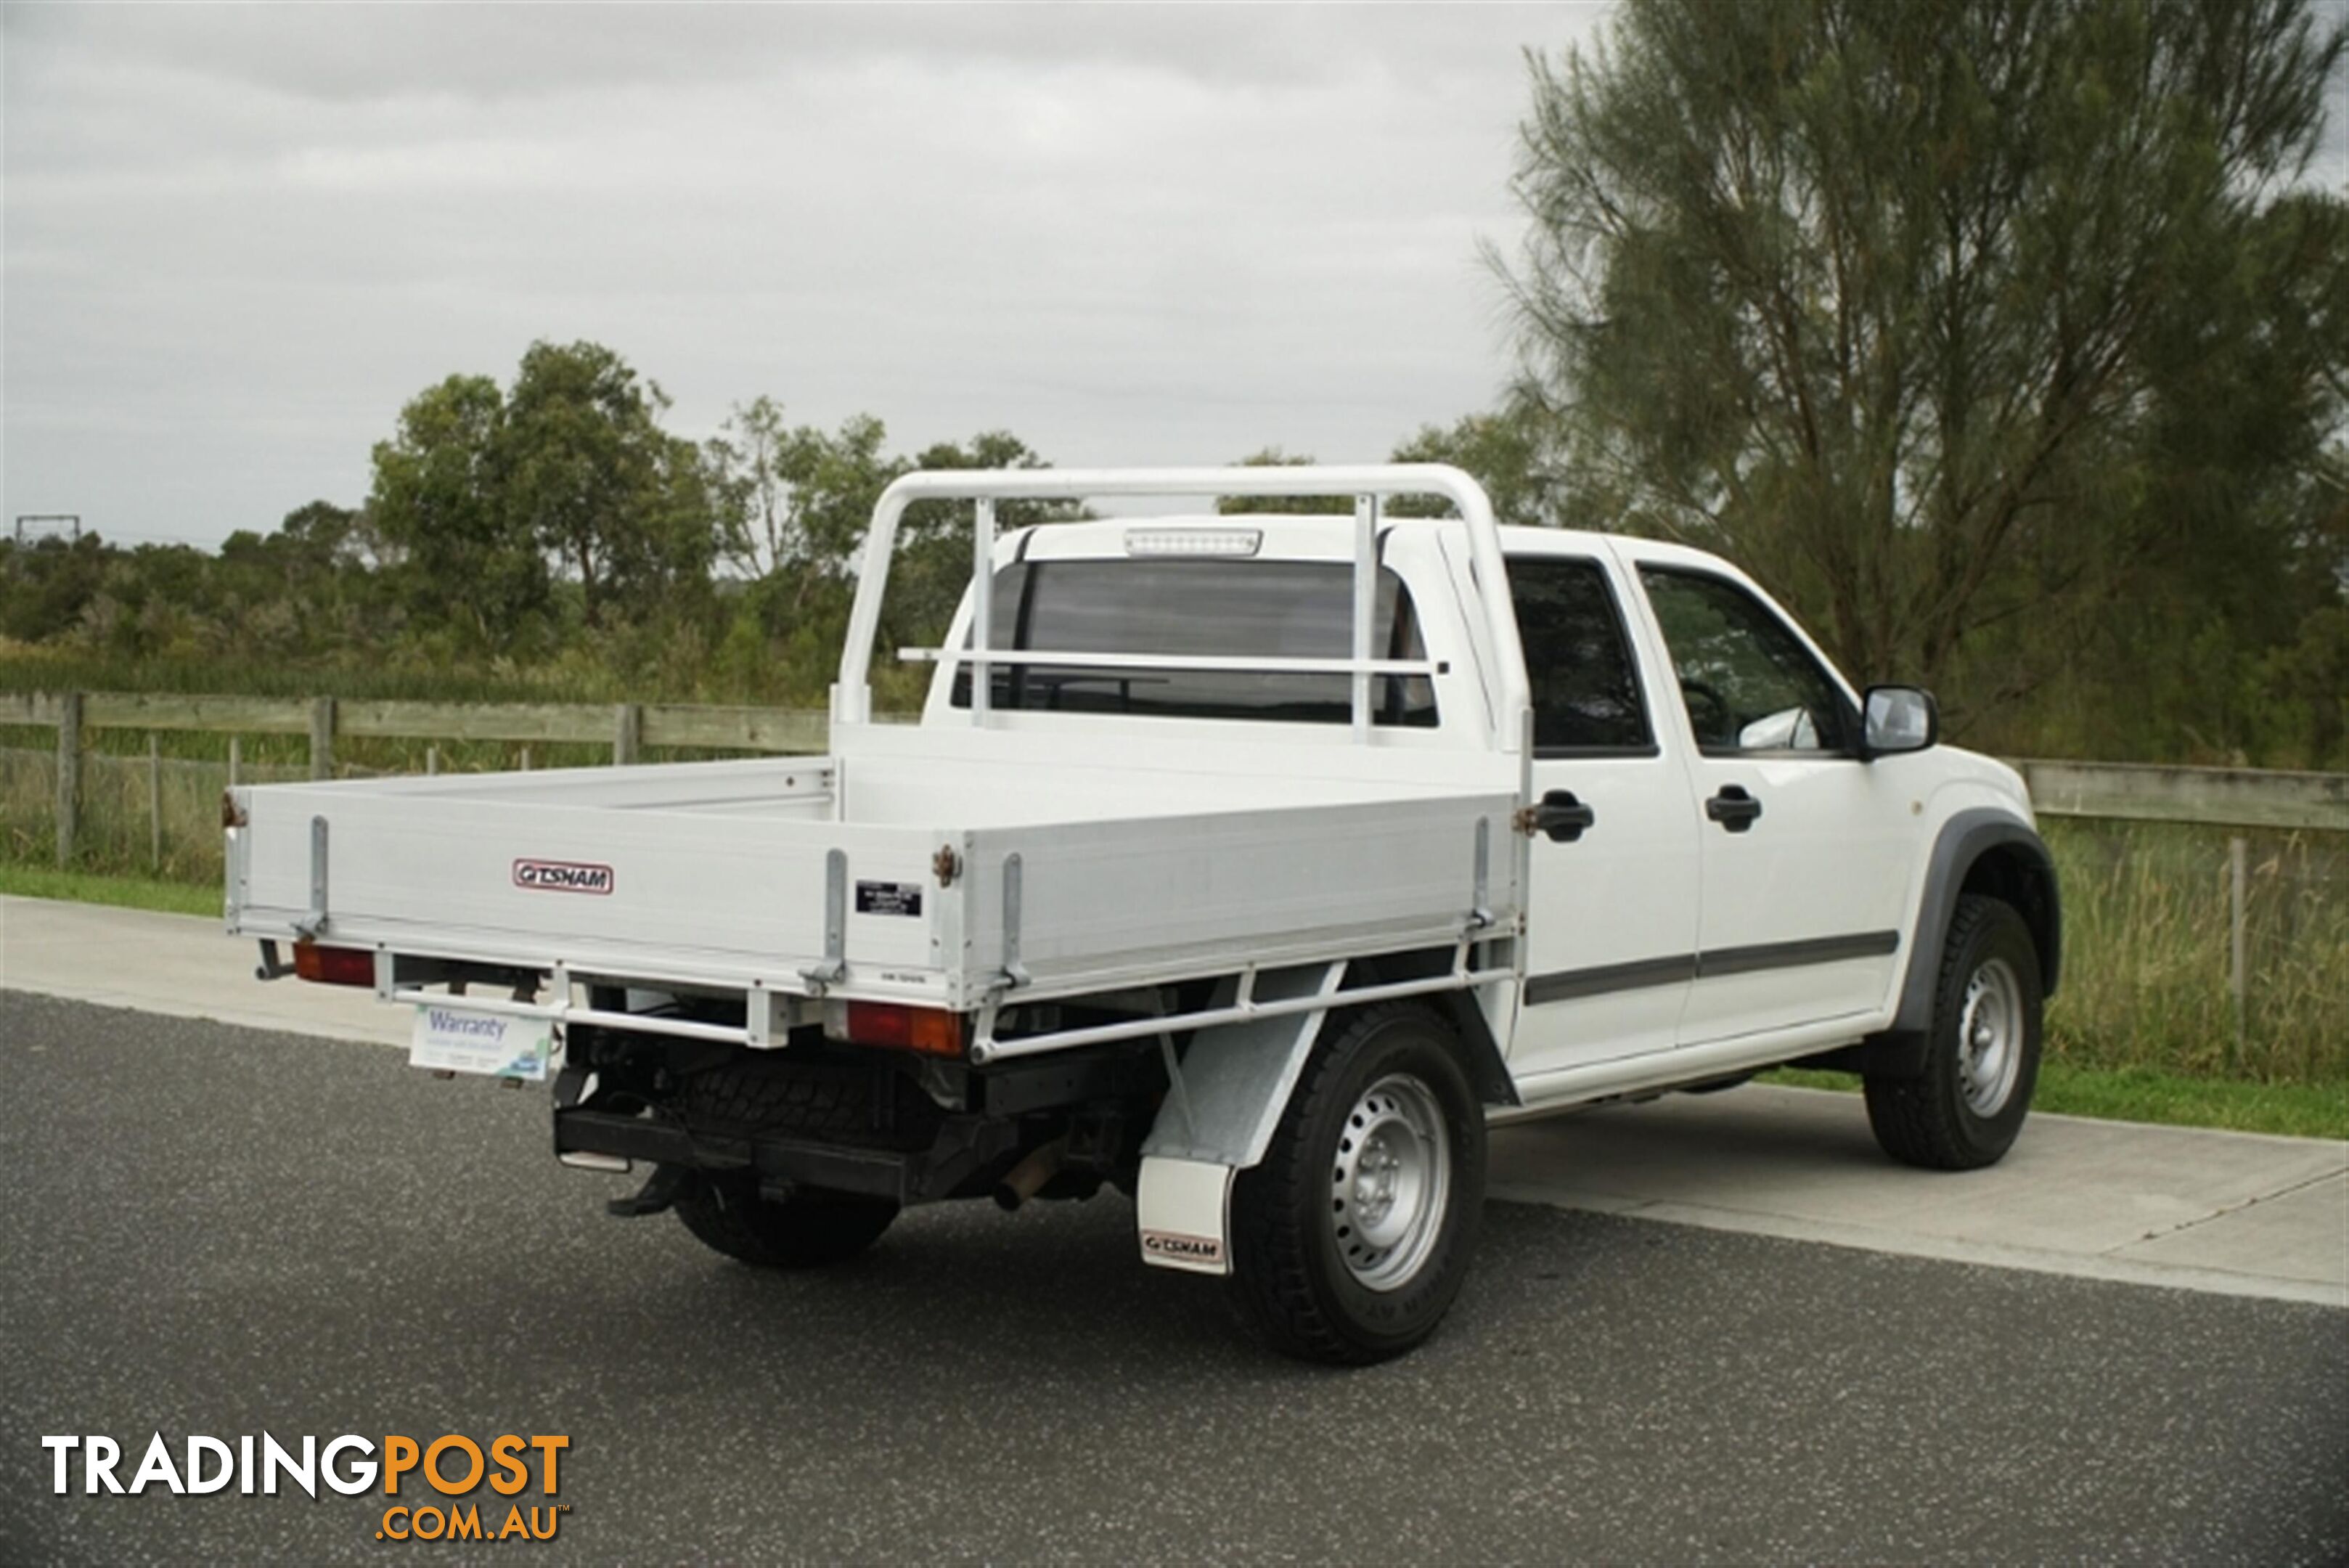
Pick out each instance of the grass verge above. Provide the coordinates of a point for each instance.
(2146, 1094)
(123, 892)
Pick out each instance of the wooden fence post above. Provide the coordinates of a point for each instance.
(2238, 979)
(154, 801)
(235, 758)
(68, 773)
(322, 737)
(431, 761)
(627, 732)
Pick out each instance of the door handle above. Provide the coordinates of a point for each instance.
(1734, 808)
(1562, 817)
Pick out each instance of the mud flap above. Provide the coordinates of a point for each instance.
(1226, 1099)
(1183, 1209)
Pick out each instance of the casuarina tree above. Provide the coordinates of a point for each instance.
(1907, 305)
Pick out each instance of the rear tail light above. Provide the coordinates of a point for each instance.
(925, 1029)
(334, 966)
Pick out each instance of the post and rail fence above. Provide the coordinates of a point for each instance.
(2131, 791)
(2235, 798)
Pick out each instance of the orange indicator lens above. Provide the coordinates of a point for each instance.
(923, 1029)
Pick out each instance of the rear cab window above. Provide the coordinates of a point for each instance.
(1584, 682)
(1182, 607)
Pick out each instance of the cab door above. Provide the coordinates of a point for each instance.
(1611, 899)
(1805, 846)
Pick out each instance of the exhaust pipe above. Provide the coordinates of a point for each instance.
(1021, 1182)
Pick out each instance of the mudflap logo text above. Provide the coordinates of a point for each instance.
(562, 876)
(452, 1466)
(1174, 1245)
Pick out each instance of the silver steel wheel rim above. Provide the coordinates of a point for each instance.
(1990, 1037)
(1390, 1181)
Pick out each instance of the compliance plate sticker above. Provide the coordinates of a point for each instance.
(888, 898)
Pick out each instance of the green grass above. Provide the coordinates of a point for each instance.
(2146, 1094)
(123, 892)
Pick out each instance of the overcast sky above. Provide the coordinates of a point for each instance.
(238, 239)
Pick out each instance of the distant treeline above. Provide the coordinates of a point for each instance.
(585, 552)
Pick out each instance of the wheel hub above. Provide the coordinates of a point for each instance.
(1389, 1182)
(1990, 1037)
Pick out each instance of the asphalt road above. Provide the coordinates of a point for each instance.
(219, 1231)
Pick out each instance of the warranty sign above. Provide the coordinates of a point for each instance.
(468, 1040)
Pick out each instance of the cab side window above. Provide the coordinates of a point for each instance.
(1586, 695)
(1748, 682)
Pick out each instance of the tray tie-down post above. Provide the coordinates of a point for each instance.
(1015, 973)
(828, 973)
(313, 921)
(1480, 912)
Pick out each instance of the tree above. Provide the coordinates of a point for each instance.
(463, 555)
(1906, 305)
(750, 457)
(1274, 457)
(1507, 452)
(835, 479)
(628, 509)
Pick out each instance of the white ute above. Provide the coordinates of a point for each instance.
(1250, 864)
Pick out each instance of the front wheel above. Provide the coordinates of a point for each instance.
(811, 1228)
(1963, 1111)
(1354, 1235)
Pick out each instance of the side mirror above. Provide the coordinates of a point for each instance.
(1897, 719)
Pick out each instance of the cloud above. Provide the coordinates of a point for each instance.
(239, 238)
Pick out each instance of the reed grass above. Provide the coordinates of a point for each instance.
(2146, 982)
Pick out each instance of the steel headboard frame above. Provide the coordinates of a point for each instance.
(1368, 485)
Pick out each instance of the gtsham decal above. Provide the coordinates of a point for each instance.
(563, 877)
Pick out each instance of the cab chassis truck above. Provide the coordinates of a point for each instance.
(1253, 864)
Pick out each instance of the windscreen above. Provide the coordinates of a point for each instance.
(1286, 610)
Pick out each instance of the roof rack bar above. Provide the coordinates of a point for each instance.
(1234, 663)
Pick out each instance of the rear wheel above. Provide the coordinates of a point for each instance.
(1964, 1110)
(1354, 1235)
(811, 1228)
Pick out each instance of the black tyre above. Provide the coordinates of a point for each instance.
(806, 1231)
(1353, 1237)
(1982, 1060)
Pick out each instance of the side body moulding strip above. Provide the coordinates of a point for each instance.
(1562, 985)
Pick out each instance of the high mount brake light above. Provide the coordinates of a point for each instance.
(1193, 541)
(925, 1029)
(334, 966)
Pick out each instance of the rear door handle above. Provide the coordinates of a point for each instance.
(1562, 817)
(1734, 808)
